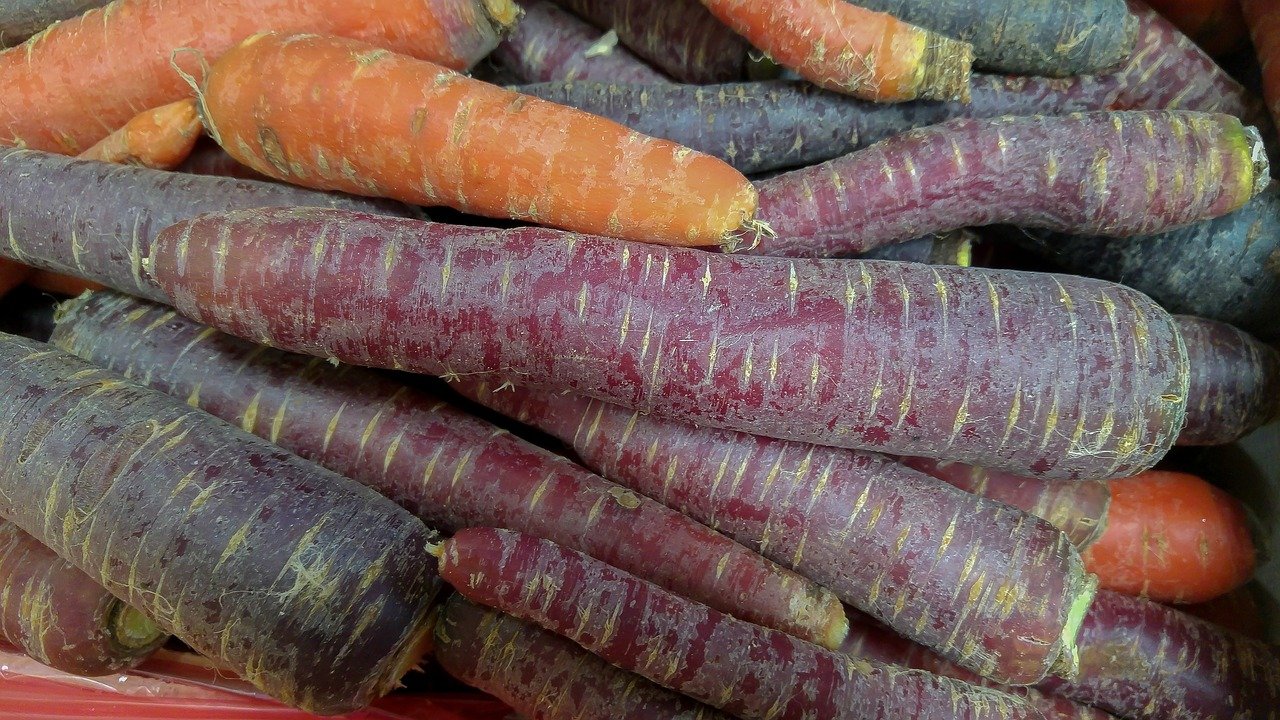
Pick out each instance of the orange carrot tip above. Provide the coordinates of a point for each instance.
(161, 138)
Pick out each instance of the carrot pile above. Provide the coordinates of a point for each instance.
(793, 360)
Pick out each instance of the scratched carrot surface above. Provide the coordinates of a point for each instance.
(832, 352)
(745, 670)
(443, 465)
(1000, 592)
(1235, 382)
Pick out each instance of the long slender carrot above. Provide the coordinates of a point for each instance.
(1172, 537)
(1264, 28)
(74, 84)
(339, 114)
(847, 48)
(160, 139)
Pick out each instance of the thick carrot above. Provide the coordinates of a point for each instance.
(1078, 509)
(543, 676)
(302, 109)
(1172, 537)
(1235, 382)
(160, 139)
(73, 85)
(1115, 174)
(869, 640)
(551, 44)
(59, 616)
(949, 248)
(1264, 28)
(1000, 592)
(12, 275)
(679, 37)
(834, 352)
(849, 49)
(745, 670)
(95, 220)
(310, 586)
(1144, 661)
(1220, 269)
(208, 158)
(448, 468)
(1043, 37)
(20, 19)
(1218, 26)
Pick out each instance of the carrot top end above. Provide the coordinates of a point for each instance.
(944, 69)
(505, 14)
(1067, 664)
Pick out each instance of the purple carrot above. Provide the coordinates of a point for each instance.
(550, 44)
(1235, 382)
(1000, 592)
(910, 359)
(748, 671)
(1116, 174)
(1145, 661)
(544, 676)
(1078, 509)
(445, 466)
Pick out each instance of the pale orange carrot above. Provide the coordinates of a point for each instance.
(160, 139)
(337, 114)
(72, 85)
(850, 49)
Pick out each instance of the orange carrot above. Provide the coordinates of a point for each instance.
(53, 282)
(11, 275)
(1264, 26)
(1172, 537)
(338, 114)
(160, 139)
(850, 49)
(79, 81)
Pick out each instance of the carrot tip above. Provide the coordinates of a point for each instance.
(753, 229)
(504, 14)
(945, 69)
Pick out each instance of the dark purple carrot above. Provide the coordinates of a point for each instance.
(680, 37)
(544, 676)
(1042, 37)
(94, 220)
(1221, 269)
(308, 585)
(59, 616)
(550, 44)
(1115, 174)
(1235, 382)
(1000, 592)
(904, 358)
(743, 669)
(443, 465)
(1146, 661)
(871, 641)
(1078, 509)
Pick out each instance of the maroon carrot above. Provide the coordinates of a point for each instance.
(1078, 509)
(550, 44)
(443, 465)
(898, 357)
(998, 591)
(1235, 382)
(310, 586)
(1145, 661)
(1116, 174)
(544, 676)
(743, 669)
(61, 617)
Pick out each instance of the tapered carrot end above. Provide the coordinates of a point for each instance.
(504, 14)
(945, 69)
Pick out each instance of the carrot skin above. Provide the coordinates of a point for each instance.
(66, 285)
(298, 109)
(245, 552)
(1145, 661)
(745, 670)
(1264, 29)
(513, 304)
(56, 102)
(680, 37)
(1115, 174)
(1235, 382)
(20, 19)
(544, 676)
(443, 465)
(552, 45)
(925, 558)
(1078, 509)
(116, 210)
(1043, 37)
(62, 618)
(1172, 537)
(1237, 611)
(160, 139)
